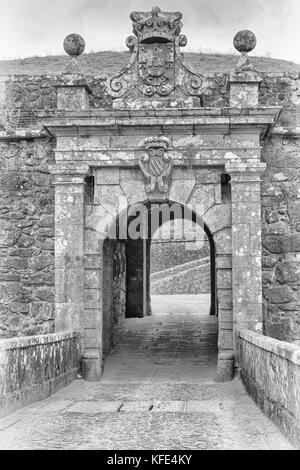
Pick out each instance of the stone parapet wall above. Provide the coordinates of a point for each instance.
(270, 370)
(34, 367)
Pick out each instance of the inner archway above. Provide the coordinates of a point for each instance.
(189, 339)
(180, 274)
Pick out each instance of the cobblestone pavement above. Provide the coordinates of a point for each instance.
(157, 392)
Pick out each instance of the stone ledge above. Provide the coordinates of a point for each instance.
(27, 341)
(168, 113)
(20, 134)
(283, 349)
(34, 367)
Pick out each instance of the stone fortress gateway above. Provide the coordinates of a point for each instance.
(155, 133)
(157, 97)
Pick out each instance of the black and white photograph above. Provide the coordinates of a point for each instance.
(149, 228)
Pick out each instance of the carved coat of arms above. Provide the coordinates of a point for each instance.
(156, 164)
(156, 68)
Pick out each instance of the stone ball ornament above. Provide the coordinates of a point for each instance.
(244, 41)
(74, 44)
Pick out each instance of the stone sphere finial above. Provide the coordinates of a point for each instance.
(244, 41)
(74, 45)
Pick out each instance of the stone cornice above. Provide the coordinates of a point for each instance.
(23, 134)
(197, 120)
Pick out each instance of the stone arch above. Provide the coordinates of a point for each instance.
(217, 225)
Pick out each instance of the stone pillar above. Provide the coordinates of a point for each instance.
(69, 243)
(246, 245)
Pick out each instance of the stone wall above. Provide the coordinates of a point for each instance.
(190, 278)
(179, 267)
(167, 254)
(26, 237)
(26, 202)
(270, 370)
(28, 96)
(34, 367)
(281, 238)
(119, 283)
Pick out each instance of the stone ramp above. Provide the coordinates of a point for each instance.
(137, 416)
(177, 348)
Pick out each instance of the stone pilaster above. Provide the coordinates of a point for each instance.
(69, 247)
(246, 245)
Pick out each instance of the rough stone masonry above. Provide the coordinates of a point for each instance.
(73, 144)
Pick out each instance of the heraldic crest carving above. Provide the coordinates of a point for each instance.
(155, 68)
(156, 164)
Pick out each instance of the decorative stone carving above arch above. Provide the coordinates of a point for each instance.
(156, 164)
(156, 70)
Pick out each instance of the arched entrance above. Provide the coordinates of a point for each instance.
(126, 263)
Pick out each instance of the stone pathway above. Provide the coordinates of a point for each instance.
(157, 392)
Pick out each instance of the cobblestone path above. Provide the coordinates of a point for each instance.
(157, 392)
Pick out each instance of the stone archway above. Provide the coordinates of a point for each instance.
(216, 219)
(158, 141)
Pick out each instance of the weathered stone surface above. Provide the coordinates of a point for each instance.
(279, 294)
(282, 244)
(34, 367)
(74, 44)
(270, 370)
(107, 142)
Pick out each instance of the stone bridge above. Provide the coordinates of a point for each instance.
(156, 149)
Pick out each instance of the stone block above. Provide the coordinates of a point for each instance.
(225, 369)
(91, 338)
(225, 340)
(180, 191)
(243, 95)
(223, 261)
(223, 242)
(203, 196)
(280, 294)
(224, 278)
(91, 370)
(208, 175)
(92, 297)
(225, 298)
(92, 278)
(107, 176)
(218, 217)
(282, 244)
(134, 191)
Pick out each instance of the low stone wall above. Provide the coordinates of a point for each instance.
(34, 367)
(270, 371)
